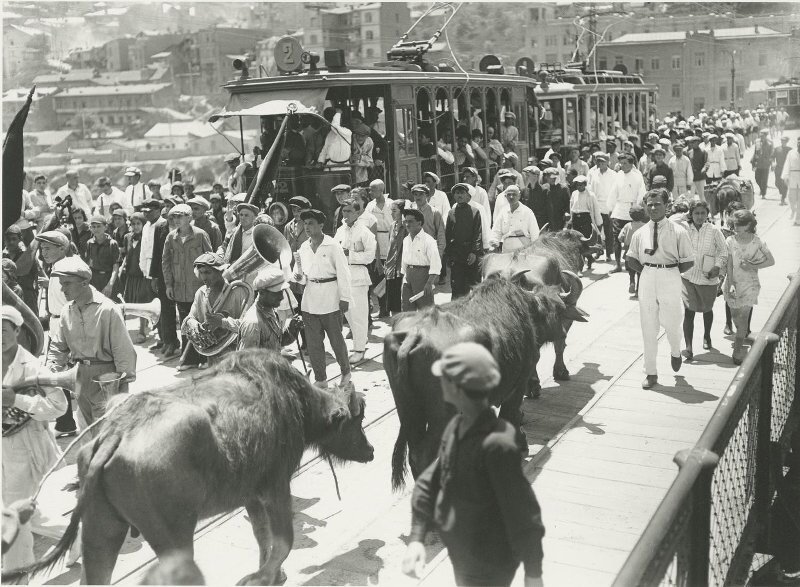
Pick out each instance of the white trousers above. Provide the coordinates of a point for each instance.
(358, 316)
(698, 189)
(660, 304)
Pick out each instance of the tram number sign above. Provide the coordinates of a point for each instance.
(288, 55)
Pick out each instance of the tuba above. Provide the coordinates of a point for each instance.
(15, 419)
(269, 246)
(150, 311)
(31, 334)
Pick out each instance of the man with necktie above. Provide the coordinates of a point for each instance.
(661, 250)
(136, 192)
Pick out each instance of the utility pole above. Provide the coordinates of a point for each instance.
(733, 78)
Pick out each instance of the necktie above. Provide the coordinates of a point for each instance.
(655, 237)
(102, 205)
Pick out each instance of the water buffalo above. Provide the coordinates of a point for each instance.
(510, 320)
(553, 259)
(233, 437)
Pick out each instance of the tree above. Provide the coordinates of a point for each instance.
(88, 125)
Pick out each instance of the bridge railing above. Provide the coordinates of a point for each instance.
(714, 516)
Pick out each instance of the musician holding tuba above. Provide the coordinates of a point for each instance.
(29, 448)
(92, 335)
(216, 310)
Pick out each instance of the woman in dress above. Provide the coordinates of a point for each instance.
(138, 288)
(747, 253)
(394, 279)
(700, 284)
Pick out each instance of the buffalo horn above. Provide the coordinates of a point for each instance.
(518, 274)
(571, 296)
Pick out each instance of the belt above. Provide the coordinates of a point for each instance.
(418, 266)
(322, 280)
(100, 272)
(660, 265)
(382, 231)
(90, 362)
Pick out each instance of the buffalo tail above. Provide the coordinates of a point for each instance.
(102, 451)
(402, 396)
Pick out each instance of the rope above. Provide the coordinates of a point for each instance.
(335, 479)
(73, 443)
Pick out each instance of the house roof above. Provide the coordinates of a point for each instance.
(108, 12)
(112, 90)
(20, 94)
(48, 138)
(162, 55)
(25, 30)
(169, 113)
(676, 36)
(76, 75)
(180, 129)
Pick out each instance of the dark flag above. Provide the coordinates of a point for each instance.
(269, 167)
(13, 165)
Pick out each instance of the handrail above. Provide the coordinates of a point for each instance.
(692, 485)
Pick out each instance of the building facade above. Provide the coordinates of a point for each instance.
(113, 106)
(693, 69)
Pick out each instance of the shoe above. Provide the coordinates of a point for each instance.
(688, 355)
(138, 338)
(69, 434)
(728, 330)
(632, 288)
(157, 347)
(356, 357)
(706, 344)
(783, 203)
(675, 362)
(170, 351)
(185, 367)
(650, 381)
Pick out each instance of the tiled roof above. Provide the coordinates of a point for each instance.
(121, 90)
(180, 129)
(675, 36)
(48, 138)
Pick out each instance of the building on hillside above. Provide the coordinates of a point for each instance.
(87, 57)
(22, 47)
(112, 105)
(146, 45)
(95, 77)
(365, 32)
(277, 18)
(41, 141)
(693, 69)
(42, 114)
(551, 35)
(212, 52)
(118, 53)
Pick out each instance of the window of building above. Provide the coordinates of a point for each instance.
(676, 62)
(655, 63)
(676, 90)
(370, 52)
(610, 37)
(602, 63)
(762, 58)
(313, 39)
(619, 60)
(723, 93)
(699, 104)
(700, 59)
(368, 17)
(740, 92)
(567, 40)
(370, 35)
(534, 14)
(534, 44)
(639, 64)
(551, 41)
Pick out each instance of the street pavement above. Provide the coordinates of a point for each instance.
(360, 540)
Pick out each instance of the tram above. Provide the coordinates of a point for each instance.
(426, 112)
(786, 95)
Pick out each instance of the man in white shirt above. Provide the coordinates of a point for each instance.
(732, 155)
(40, 200)
(682, 175)
(479, 197)
(602, 180)
(421, 263)
(629, 190)
(437, 198)
(109, 194)
(337, 146)
(81, 195)
(381, 208)
(136, 192)
(516, 226)
(321, 265)
(358, 244)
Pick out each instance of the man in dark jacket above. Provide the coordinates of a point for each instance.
(557, 200)
(660, 168)
(780, 159)
(464, 241)
(762, 161)
(698, 158)
(475, 493)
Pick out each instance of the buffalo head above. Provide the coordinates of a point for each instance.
(346, 439)
(591, 245)
(573, 287)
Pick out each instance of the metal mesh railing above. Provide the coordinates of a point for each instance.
(718, 504)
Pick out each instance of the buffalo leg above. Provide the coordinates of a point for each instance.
(272, 521)
(560, 371)
(259, 520)
(534, 384)
(510, 411)
(102, 533)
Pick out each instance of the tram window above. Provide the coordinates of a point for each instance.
(531, 114)
(551, 121)
(492, 112)
(475, 111)
(572, 121)
(593, 109)
(404, 127)
(446, 140)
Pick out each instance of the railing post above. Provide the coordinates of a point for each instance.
(764, 434)
(700, 522)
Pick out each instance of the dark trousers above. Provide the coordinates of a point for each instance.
(393, 294)
(317, 326)
(618, 225)
(462, 277)
(608, 235)
(65, 422)
(470, 573)
(762, 178)
(167, 327)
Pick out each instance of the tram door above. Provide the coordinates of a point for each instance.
(404, 135)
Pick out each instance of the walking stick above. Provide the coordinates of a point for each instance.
(297, 336)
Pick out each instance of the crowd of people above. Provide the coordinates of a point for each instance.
(652, 206)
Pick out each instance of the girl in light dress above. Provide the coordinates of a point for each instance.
(747, 253)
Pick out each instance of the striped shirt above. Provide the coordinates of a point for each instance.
(707, 242)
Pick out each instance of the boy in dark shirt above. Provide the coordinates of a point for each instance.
(475, 493)
(102, 256)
